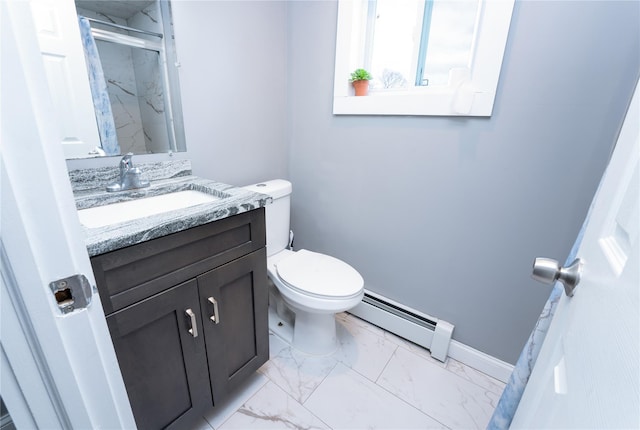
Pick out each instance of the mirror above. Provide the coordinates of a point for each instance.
(136, 53)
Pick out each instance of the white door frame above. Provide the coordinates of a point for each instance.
(58, 370)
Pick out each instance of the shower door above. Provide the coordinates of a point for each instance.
(587, 373)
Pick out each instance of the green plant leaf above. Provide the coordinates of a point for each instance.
(360, 75)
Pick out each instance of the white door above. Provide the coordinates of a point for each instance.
(63, 56)
(588, 372)
(57, 369)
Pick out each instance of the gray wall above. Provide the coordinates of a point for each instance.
(442, 214)
(232, 79)
(446, 214)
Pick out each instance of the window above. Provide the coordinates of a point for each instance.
(427, 57)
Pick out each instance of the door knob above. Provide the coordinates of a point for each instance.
(548, 271)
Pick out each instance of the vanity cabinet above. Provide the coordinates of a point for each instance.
(187, 315)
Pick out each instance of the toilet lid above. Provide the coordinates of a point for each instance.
(319, 275)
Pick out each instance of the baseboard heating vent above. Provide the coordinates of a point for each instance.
(424, 330)
(428, 323)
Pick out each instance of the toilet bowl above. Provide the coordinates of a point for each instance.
(313, 286)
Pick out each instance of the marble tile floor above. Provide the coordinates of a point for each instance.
(375, 380)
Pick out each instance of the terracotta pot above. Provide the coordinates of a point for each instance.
(361, 87)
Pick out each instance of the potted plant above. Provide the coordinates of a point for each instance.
(360, 80)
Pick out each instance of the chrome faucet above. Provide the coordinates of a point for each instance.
(129, 176)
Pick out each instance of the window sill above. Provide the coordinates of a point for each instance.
(441, 102)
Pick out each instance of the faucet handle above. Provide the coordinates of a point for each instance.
(127, 160)
(129, 176)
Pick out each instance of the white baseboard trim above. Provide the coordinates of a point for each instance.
(478, 360)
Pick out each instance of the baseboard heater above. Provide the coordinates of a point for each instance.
(424, 330)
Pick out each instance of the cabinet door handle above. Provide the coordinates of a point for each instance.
(193, 331)
(215, 318)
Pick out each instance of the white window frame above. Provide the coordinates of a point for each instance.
(471, 91)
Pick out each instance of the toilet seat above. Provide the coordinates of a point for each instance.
(319, 275)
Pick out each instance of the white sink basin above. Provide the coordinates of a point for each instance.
(101, 216)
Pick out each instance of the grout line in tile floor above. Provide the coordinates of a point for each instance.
(374, 380)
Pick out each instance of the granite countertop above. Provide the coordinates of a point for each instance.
(115, 236)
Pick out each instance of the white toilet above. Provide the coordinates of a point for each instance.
(313, 285)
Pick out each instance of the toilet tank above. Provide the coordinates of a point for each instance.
(277, 213)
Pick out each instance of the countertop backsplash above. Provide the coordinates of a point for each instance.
(98, 178)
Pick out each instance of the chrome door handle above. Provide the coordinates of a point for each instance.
(548, 271)
(215, 318)
(193, 331)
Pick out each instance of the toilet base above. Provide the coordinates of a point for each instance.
(302, 337)
(315, 333)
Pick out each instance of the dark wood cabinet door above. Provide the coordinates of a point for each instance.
(163, 365)
(238, 343)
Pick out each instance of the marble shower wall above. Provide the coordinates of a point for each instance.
(117, 64)
(149, 82)
(135, 85)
